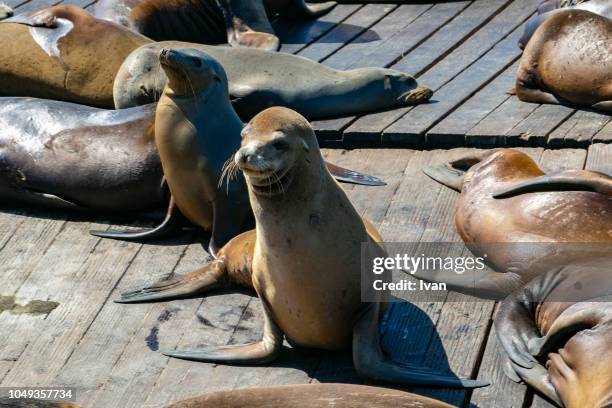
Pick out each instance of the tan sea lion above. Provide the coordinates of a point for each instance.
(280, 79)
(311, 396)
(549, 7)
(63, 53)
(556, 334)
(236, 22)
(526, 222)
(196, 132)
(568, 60)
(307, 257)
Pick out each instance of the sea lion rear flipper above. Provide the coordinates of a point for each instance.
(569, 180)
(353, 177)
(451, 174)
(173, 222)
(197, 282)
(370, 362)
(263, 351)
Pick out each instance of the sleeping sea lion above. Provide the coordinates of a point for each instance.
(568, 60)
(236, 22)
(549, 7)
(281, 79)
(525, 221)
(307, 257)
(556, 334)
(63, 53)
(311, 396)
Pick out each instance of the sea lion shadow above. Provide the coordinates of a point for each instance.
(408, 336)
(342, 32)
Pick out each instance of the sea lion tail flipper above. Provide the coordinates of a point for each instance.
(202, 280)
(263, 351)
(451, 174)
(569, 180)
(173, 222)
(353, 177)
(370, 361)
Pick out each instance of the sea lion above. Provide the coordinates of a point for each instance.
(310, 88)
(311, 396)
(196, 132)
(568, 61)
(548, 7)
(236, 22)
(307, 257)
(5, 11)
(556, 334)
(526, 222)
(63, 53)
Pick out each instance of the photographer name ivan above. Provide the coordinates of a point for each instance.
(408, 285)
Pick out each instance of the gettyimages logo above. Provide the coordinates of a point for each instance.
(412, 264)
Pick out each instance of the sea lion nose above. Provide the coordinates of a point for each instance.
(164, 53)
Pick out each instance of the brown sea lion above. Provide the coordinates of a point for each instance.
(568, 60)
(556, 334)
(236, 22)
(307, 257)
(63, 53)
(548, 7)
(311, 396)
(196, 132)
(260, 79)
(524, 221)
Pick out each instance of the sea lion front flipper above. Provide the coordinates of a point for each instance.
(603, 106)
(538, 378)
(370, 361)
(353, 177)
(173, 221)
(451, 174)
(263, 351)
(569, 180)
(197, 282)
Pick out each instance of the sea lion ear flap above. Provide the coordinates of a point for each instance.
(451, 174)
(569, 180)
(305, 146)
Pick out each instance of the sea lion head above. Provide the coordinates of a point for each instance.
(140, 79)
(276, 145)
(190, 71)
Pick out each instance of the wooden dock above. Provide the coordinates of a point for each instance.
(466, 51)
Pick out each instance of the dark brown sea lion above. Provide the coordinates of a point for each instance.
(525, 221)
(64, 156)
(549, 7)
(556, 334)
(311, 396)
(307, 257)
(236, 22)
(568, 60)
(63, 53)
(259, 79)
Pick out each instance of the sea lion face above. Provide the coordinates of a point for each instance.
(140, 79)
(580, 371)
(275, 144)
(190, 71)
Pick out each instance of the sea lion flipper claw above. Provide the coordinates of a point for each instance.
(263, 351)
(370, 361)
(173, 221)
(569, 180)
(353, 177)
(197, 282)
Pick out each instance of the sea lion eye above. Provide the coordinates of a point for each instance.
(281, 145)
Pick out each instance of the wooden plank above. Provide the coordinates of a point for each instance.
(468, 115)
(352, 27)
(35, 5)
(604, 135)
(578, 130)
(296, 36)
(379, 33)
(81, 286)
(535, 128)
(599, 158)
(482, 42)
